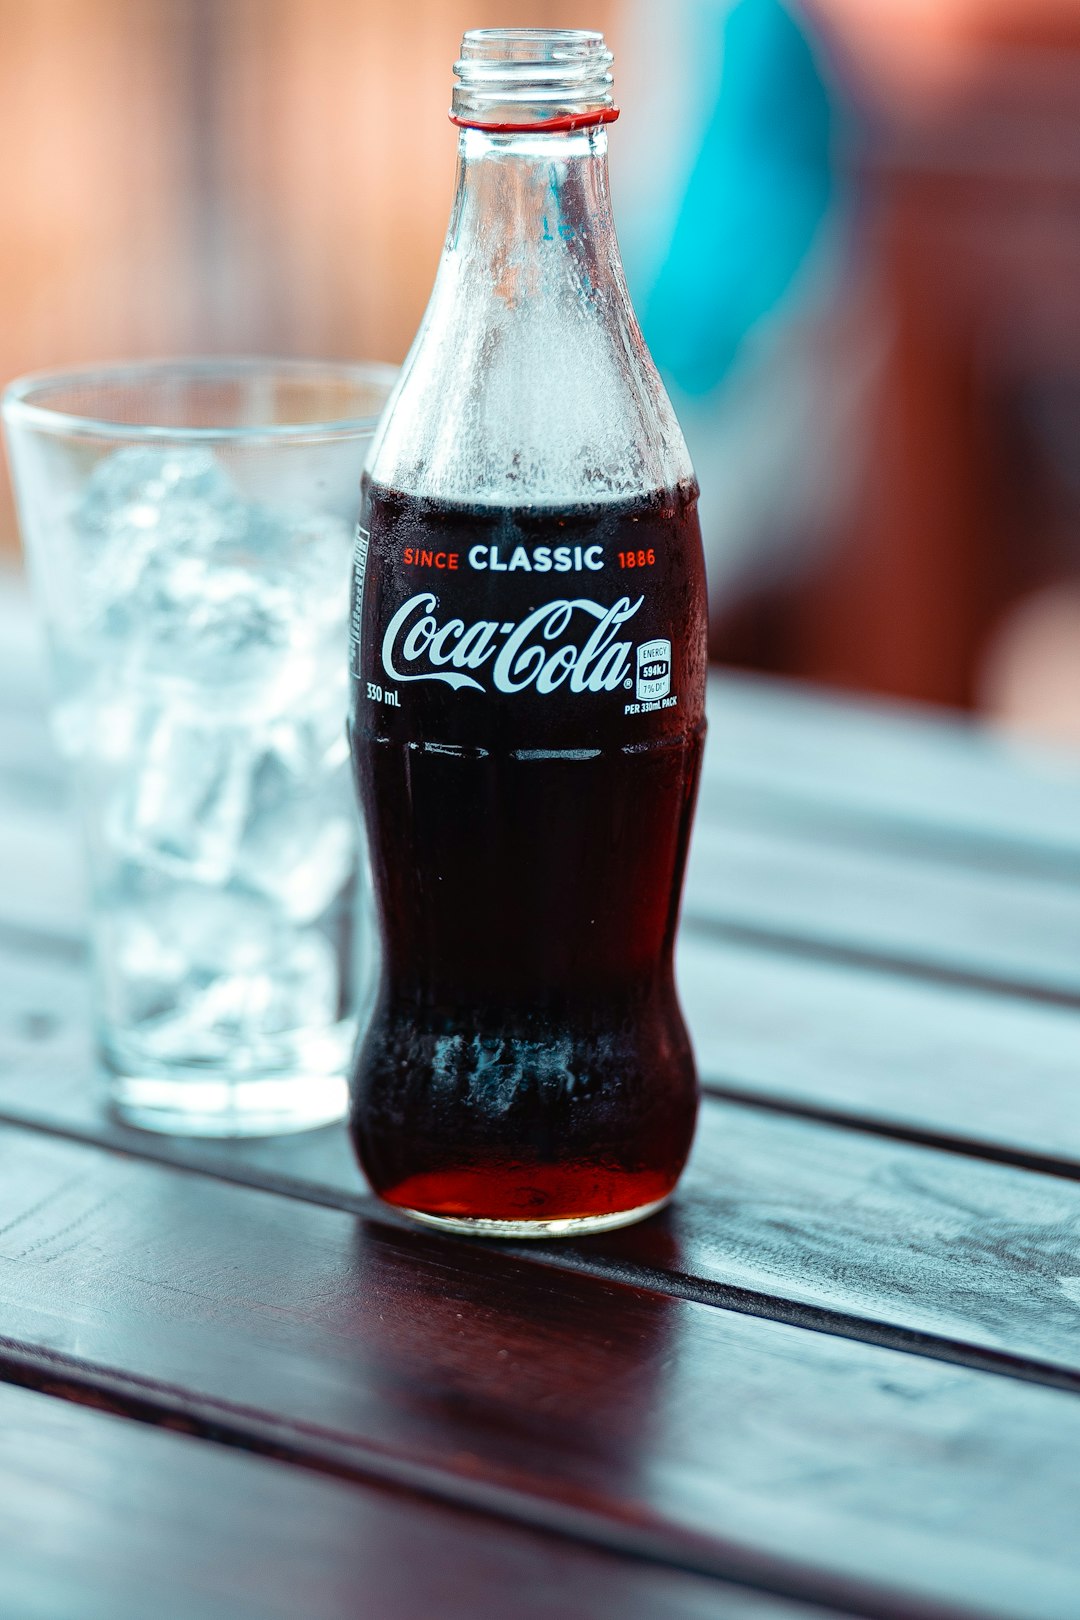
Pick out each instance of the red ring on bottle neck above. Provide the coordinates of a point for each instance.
(552, 126)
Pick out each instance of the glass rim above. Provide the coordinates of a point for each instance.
(21, 410)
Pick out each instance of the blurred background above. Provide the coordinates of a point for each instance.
(852, 230)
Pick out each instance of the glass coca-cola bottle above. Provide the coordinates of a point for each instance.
(528, 681)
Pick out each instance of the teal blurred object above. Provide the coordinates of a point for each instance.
(759, 192)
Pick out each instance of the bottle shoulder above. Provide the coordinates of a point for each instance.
(542, 399)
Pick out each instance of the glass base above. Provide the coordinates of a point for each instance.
(296, 1083)
(571, 1226)
(201, 1105)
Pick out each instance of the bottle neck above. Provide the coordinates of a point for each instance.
(529, 381)
(531, 209)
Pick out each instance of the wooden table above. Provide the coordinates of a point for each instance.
(840, 1374)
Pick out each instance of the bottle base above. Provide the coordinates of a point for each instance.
(570, 1226)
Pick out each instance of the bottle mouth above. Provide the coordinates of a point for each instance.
(511, 79)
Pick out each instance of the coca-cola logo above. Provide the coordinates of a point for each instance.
(572, 641)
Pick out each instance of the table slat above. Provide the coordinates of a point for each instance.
(902, 912)
(871, 1238)
(991, 1075)
(108, 1519)
(768, 885)
(815, 1465)
(909, 770)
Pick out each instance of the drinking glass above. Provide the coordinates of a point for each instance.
(188, 528)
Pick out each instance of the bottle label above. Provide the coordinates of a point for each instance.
(359, 574)
(654, 669)
(461, 615)
(572, 643)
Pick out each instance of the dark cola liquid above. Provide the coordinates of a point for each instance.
(527, 724)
